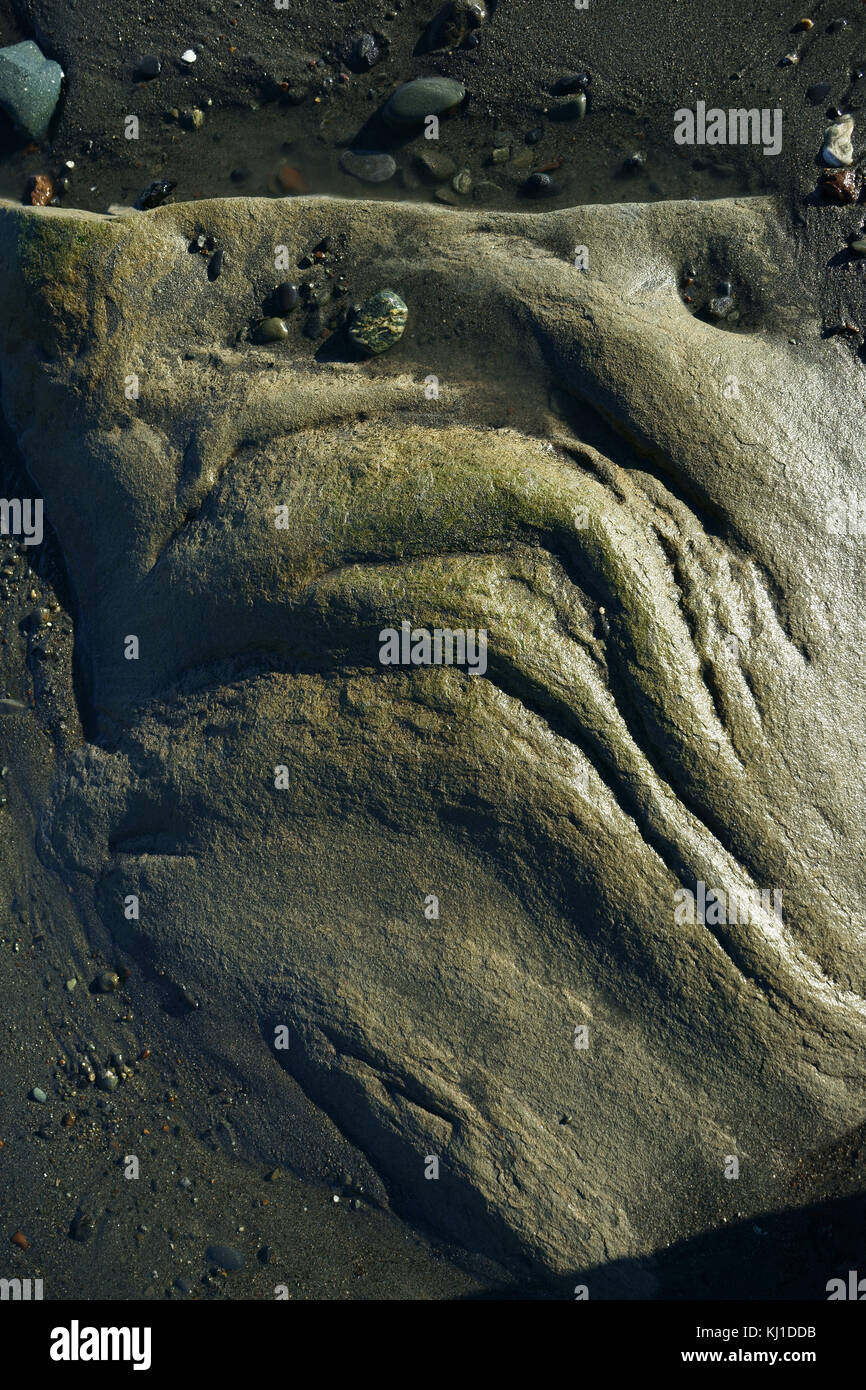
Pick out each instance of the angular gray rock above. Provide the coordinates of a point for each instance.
(29, 87)
(649, 516)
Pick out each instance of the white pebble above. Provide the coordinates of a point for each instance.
(189, 56)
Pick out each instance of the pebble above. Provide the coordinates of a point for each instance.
(457, 21)
(839, 187)
(40, 191)
(287, 297)
(818, 93)
(192, 120)
(71, 984)
(365, 53)
(462, 182)
(154, 194)
(108, 982)
(271, 330)
(38, 1095)
(368, 165)
(500, 154)
(836, 26)
(838, 148)
(149, 67)
(533, 136)
(379, 322)
(858, 246)
(485, 190)
(291, 180)
(720, 307)
(790, 60)
(540, 186)
(577, 82)
(189, 56)
(523, 159)
(183, 1285)
(107, 1081)
(435, 165)
(21, 1240)
(83, 1227)
(424, 96)
(215, 265)
(571, 110)
(29, 87)
(225, 1257)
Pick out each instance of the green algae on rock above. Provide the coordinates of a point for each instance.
(379, 322)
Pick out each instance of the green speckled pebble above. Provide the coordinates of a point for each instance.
(379, 322)
(271, 331)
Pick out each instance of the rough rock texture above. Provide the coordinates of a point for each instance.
(614, 490)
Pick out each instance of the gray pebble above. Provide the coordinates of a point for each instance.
(368, 165)
(38, 1095)
(29, 87)
(424, 96)
(225, 1257)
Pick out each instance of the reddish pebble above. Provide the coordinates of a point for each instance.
(291, 180)
(839, 187)
(21, 1240)
(40, 191)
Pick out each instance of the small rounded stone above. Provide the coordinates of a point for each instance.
(149, 67)
(107, 1081)
(108, 982)
(225, 1257)
(576, 82)
(368, 165)
(570, 110)
(287, 297)
(38, 1095)
(540, 186)
(379, 323)
(435, 165)
(424, 96)
(271, 330)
